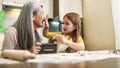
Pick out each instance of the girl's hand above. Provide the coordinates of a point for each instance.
(46, 21)
(60, 39)
(36, 48)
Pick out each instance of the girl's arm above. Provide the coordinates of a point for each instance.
(46, 27)
(46, 32)
(77, 46)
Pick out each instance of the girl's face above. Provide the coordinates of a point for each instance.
(38, 18)
(68, 26)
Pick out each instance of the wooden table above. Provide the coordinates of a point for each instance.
(111, 62)
(107, 63)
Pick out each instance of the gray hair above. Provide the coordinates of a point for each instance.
(24, 25)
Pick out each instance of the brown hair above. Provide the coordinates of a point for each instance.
(75, 19)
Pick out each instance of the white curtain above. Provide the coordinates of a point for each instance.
(116, 19)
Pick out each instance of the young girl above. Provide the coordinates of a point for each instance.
(70, 40)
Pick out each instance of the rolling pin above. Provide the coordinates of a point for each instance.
(17, 54)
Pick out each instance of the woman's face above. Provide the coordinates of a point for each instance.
(68, 26)
(38, 18)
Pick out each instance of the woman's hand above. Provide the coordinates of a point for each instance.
(36, 48)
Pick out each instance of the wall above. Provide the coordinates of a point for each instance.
(48, 5)
(66, 6)
(98, 25)
(11, 17)
(116, 17)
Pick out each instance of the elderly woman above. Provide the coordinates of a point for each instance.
(23, 35)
